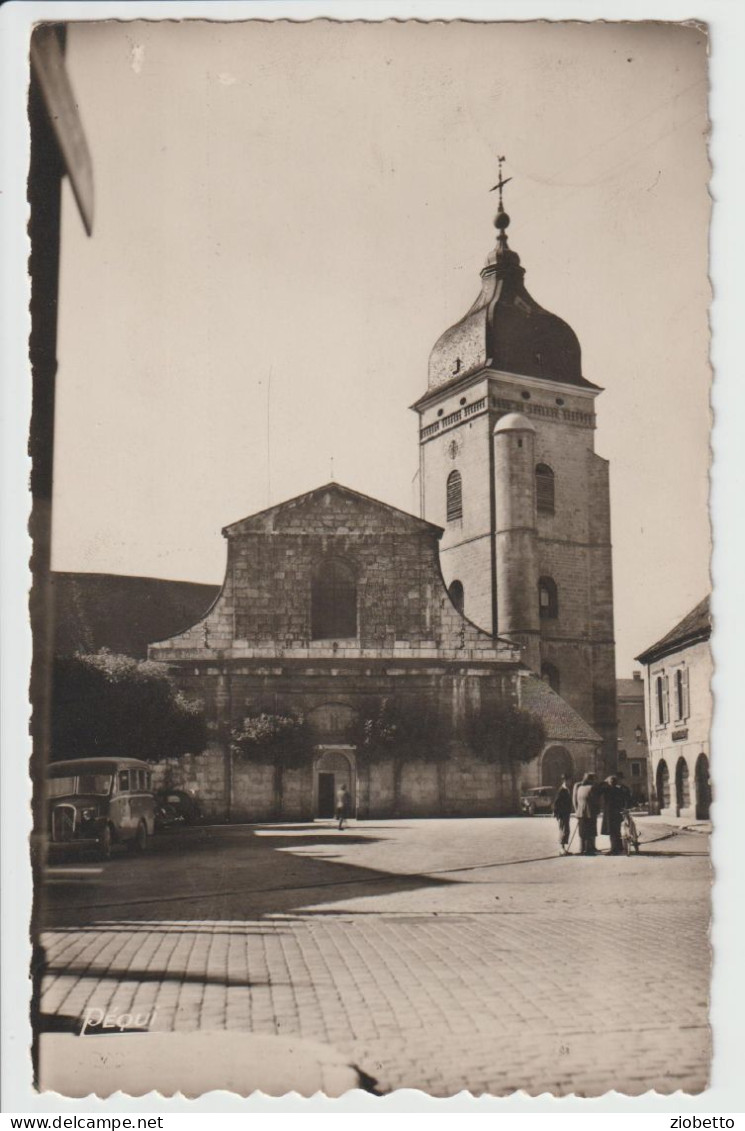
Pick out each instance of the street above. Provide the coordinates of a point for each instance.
(437, 954)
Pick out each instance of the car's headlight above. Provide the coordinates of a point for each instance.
(88, 814)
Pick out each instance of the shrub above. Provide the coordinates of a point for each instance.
(273, 739)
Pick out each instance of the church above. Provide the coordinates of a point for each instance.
(348, 622)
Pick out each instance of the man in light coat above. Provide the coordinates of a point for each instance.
(586, 808)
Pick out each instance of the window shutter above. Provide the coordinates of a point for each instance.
(665, 699)
(686, 695)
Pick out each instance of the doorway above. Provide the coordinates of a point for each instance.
(334, 767)
(326, 794)
(556, 764)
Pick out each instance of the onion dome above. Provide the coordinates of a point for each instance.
(506, 329)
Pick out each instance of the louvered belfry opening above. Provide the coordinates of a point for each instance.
(544, 489)
(454, 496)
(333, 601)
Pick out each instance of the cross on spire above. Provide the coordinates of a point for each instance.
(500, 183)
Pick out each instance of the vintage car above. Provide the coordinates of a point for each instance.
(100, 802)
(175, 807)
(539, 800)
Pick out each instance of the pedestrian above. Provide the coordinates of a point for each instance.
(586, 808)
(628, 794)
(615, 800)
(562, 812)
(343, 804)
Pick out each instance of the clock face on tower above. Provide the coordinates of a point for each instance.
(453, 447)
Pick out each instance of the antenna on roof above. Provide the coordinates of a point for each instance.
(268, 439)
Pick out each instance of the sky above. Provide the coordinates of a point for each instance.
(289, 215)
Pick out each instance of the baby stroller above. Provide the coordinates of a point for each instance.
(629, 834)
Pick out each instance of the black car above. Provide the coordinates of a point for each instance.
(177, 807)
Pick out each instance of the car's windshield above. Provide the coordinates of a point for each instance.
(94, 783)
(80, 784)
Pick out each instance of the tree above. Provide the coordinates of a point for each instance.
(507, 736)
(282, 741)
(401, 731)
(107, 704)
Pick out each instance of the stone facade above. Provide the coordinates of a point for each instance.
(265, 647)
(678, 703)
(507, 357)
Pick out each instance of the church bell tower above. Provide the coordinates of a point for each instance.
(508, 468)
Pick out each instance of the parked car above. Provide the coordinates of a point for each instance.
(177, 807)
(100, 802)
(539, 800)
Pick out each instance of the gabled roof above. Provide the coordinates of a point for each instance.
(694, 627)
(561, 721)
(261, 518)
(122, 613)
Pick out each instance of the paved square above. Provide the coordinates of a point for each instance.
(441, 955)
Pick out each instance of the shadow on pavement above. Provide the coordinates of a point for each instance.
(213, 875)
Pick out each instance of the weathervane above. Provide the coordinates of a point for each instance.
(500, 183)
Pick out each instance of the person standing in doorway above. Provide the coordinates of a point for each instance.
(586, 808)
(343, 804)
(562, 812)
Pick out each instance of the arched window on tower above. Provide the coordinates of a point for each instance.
(333, 601)
(454, 496)
(550, 674)
(457, 596)
(548, 599)
(544, 489)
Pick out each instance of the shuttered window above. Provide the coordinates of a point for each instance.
(661, 695)
(544, 488)
(681, 694)
(454, 496)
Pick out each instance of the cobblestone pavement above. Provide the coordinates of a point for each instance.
(513, 968)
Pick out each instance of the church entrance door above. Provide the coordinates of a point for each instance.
(334, 766)
(326, 792)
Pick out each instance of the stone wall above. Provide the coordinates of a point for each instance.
(460, 786)
(204, 773)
